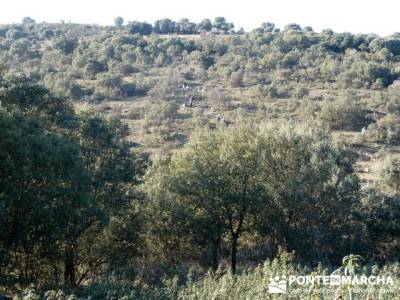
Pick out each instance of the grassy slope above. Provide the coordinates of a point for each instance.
(370, 153)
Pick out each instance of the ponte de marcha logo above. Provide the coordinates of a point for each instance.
(280, 284)
(277, 285)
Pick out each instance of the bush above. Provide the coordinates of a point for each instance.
(386, 130)
(390, 174)
(219, 98)
(345, 113)
(381, 213)
(166, 89)
(159, 112)
(394, 97)
(252, 283)
(109, 81)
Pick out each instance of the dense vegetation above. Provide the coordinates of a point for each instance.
(194, 161)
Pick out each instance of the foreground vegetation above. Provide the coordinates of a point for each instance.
(187, 160)
(250, 284)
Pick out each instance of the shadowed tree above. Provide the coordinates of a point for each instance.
(119, 21)
(218, 175)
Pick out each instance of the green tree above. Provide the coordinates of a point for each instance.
(66, 191)
(66, 45)
(142, 28)
(44, 196)
(386, 129)
(164, 26)
(393, 45)
(28, 20)
(390, 173)
(119, 21)
(205, 25)
(313, 188)
(219, 176)
(280, 181)
(221, 24)
(23, 94)
(113, 173)
(380, 213)
(347, 112)
(394, 97)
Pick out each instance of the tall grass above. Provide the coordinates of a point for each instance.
(251, 284)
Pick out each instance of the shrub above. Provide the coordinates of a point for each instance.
(345, 113)
(390, 173)
(386, 130)
(394, 97)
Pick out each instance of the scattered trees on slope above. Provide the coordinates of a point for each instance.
(282, 182)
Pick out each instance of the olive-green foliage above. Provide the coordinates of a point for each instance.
(347, 112)
(167, 89)
(274, 180)
(218, 98)
(394, 97)
(119, 21)
(251, 283)
(44, 194)
(23, 94)
(308, 173)
(352, 61)
(67, 185)
(386, 130)
(68, 194)
(390, 173)
(381, 212)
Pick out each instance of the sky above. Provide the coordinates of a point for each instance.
(357, 16)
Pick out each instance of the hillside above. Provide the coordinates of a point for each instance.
(139, 157)
(265, 74)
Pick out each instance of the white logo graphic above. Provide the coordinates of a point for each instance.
(335, 280)
(277, 285)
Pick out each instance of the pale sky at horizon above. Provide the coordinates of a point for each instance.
(368, 16)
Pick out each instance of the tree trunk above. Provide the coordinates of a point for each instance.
(233, 253)
(69, 266)
(215, 253)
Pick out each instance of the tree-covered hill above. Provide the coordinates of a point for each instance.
(135, 158)
(145, 73)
